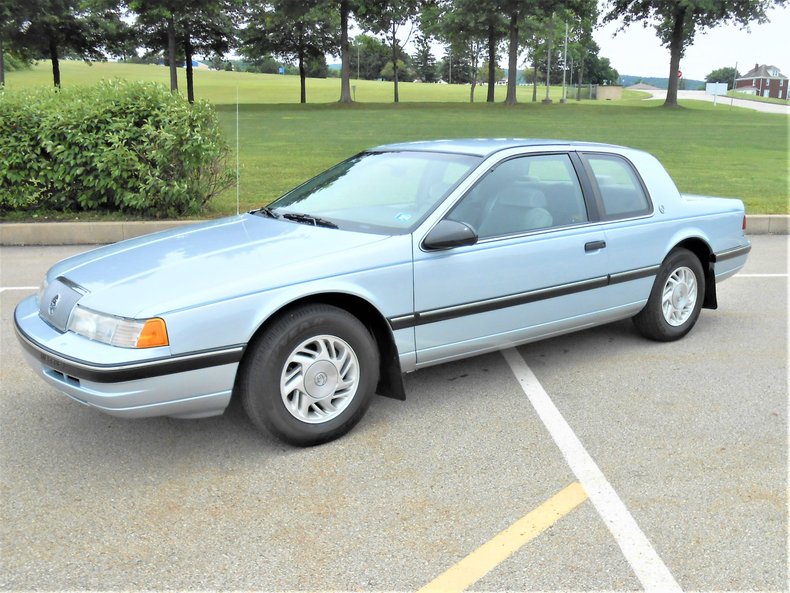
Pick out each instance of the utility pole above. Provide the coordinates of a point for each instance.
(564, 64)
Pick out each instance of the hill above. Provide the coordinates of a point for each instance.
(661, 83)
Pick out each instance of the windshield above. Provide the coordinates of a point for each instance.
(378, 192)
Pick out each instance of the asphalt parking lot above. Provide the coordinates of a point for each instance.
(621, 464)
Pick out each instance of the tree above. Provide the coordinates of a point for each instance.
(345, 61)
(185, 29)
(727, 74)
(599, 70)
(677, 21)
(387, 18)
(316, 66)
(155, 19)
(209, 28)
(531, 14)
(485, 70)
(293, 30)
(368, 57)
(516, 11)
(50, 29)
(532, 30)
(265, 64)
(388, 72)
(455, 67)
(423, 62)
(472, 27)
(580, 46)
(6, 26)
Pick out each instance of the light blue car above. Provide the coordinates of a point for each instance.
(401, 257)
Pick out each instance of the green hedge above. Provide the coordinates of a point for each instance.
(119, 146)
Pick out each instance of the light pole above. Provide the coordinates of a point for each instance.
(564, 63)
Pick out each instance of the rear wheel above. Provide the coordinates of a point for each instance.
(311, 376)
(676, 299)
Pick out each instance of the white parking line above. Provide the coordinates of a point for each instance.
(760, 276)
(645, 562)
(4, 288)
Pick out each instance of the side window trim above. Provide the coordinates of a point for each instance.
(589, 189)
(596, 190)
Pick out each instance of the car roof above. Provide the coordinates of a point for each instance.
(482, 146)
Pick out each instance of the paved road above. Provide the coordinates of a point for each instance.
(725, 101)
(692, 437)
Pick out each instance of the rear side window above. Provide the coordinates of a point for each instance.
(622, 193)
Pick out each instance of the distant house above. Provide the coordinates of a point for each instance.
(763, 81)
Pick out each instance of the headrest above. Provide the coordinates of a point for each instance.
(522, 197)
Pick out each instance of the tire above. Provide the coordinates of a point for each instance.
(311, 376)
(675, 300)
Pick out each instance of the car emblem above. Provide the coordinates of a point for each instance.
(320, 379)
(53, 304)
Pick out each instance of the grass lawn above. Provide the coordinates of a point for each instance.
(707, 149)
(221, 87)
(750, 97)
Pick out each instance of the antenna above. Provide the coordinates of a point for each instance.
(237, 149)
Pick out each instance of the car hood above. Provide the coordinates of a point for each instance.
(212, 261)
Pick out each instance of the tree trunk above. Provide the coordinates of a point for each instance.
(512, 63)
(474, 66)
(472, 86)
(491, 63)
(188, 61)
(53, 56)
(535, 75)
(302, 79)
(2, 64)
(395, 62)
(345, 70)
(676, 51)
(581, 78)
(171, 53)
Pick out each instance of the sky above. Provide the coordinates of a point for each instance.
(638, 51)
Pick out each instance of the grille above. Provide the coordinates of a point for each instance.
(58, 301)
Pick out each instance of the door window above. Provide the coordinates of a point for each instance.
(523, 194)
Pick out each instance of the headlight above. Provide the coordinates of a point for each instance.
(118, 331)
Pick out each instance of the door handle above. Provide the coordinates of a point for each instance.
(594, 245)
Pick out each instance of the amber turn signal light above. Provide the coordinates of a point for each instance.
(154, 334)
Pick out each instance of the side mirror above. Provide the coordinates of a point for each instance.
(448, 234)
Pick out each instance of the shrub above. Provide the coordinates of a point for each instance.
(128, 147)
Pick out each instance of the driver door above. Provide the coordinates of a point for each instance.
(538, 267)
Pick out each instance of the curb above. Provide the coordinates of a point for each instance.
(81, 233)
(101, 233)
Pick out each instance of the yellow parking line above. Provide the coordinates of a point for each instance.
(480, 562)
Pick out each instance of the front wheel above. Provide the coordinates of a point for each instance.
(675, 300)
(311, 376)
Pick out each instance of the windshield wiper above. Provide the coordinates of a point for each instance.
(265, 211)
(309, 219)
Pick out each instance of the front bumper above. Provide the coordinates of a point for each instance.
(122, 382)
